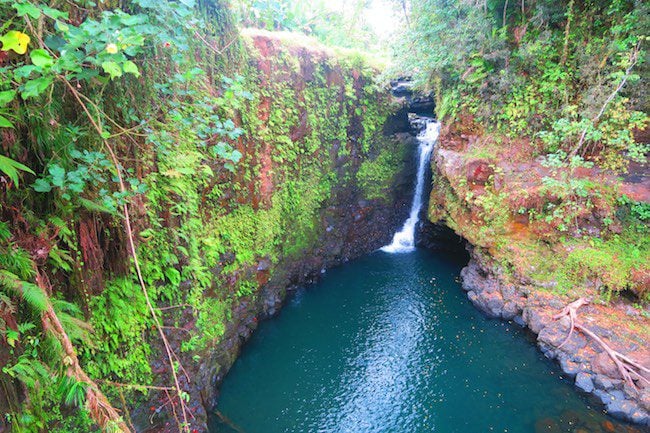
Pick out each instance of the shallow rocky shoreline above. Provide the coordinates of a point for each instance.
(580, 358)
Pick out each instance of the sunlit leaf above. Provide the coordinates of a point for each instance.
(6, 97)
(5, 123)
(16, 41)
(41, 58)
(112, 69)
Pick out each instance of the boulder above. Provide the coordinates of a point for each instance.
(584, 382)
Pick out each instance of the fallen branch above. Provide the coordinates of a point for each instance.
(626, 366)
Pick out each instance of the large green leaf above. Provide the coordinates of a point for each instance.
(131, 68)
(5, 123)
(6, 97)
(41, 185)
(55, 14)
(112, 69)
(10, 167)
(23, 9)
(41, 58)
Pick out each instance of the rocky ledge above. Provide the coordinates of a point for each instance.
(580, 356)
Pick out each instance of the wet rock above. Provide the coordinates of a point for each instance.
(604, 382)
(604, 365)
(397, 122)
(510, 310)
(569, 366)
(644, 399)
(536, 322)
(584, 382)
(628, 410)
(423, 105)
(554, 334)
(604, 396)
(579, 357)
(438, 237)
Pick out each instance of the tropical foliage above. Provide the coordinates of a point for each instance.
(565, 73)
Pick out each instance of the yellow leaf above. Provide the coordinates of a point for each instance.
(15, 40)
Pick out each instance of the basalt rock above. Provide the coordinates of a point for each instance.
(579, 357)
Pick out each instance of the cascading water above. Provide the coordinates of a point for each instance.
(404, 240)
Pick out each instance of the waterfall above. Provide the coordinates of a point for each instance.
(404, 240)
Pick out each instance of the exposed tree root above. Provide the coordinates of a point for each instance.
(628, 368)
(100, 409)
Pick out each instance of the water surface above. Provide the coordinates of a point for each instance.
(390, 343)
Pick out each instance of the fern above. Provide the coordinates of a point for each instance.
(71, 391)
(68, 315)
(30, 293)
(29, 371)
(5, 234)
(10, 167)
(17, 261)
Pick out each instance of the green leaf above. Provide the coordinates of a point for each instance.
(58, 175)
(28, 292)
(235, 156)
(34, 88)
(23, 9)
(24, 71)
(10, 167)
(112, 69)
(6, 97)
(15, 40)
(131, 68)
(96, 207)
(41, 185)
(41, 58)
(5, 123)
(61, 26)
(55, 14)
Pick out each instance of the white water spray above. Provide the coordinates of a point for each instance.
(404, 240)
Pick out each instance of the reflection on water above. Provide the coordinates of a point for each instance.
(390, 343)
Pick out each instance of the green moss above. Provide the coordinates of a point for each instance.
(376, 176)
(121, 320)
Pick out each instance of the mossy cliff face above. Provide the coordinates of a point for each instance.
(255, 169)
(541, 237)
(320, 184)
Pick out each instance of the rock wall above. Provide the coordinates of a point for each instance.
(323, 168)
(580, 357)
(471, 195)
